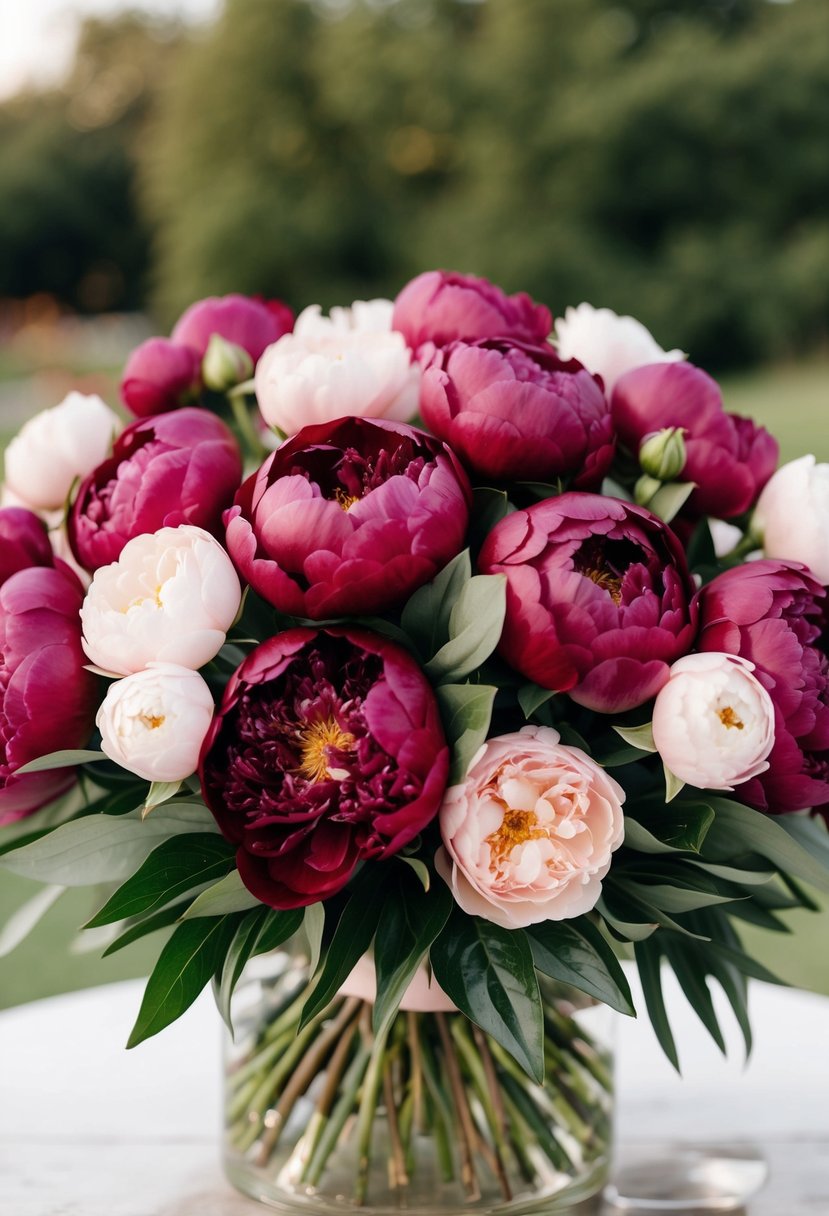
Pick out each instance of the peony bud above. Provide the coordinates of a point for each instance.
(792, 515)
(225, 364)
(713, 722)
(662, 455)
(154, 722)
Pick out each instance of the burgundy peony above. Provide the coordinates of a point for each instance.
(245, 321)
(728, 457)
(598, 598)
(348, 518)
(24, 542)
(159, 375)
(442, 306)
(179, 468)
(516, 411)
(47, 698)
(774, 614)
(327, 749)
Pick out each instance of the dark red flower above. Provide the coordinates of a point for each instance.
(349, 517)
(442, 306)
(251, 323)
(47, 698)
(774, 614)
(598, 598)
(327, 749)
(178, 468)
(159, 375)
(24, 542)
(514, 411)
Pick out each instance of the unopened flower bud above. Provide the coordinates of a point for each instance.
(662, 455)
(225, 364)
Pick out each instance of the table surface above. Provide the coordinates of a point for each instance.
(88, 1129)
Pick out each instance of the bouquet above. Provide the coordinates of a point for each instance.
(427, 657)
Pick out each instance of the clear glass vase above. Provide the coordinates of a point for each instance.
(438, 1119)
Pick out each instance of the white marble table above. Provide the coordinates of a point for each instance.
(88, 1129)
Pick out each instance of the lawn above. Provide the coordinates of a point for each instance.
(794, 403)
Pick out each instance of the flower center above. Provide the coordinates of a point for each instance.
(316, 738)
(729, 718)
(517, 827)
(151, 721)
(607, 581)
(344, 499)
(605, 562)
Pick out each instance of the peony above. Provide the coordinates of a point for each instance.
(598, 598)
(516, 411)
(170, 598)
(792, 515)
(56, 447)
(327, 749)
(24, 542)
(349, 518)
(713, 722)
(247, 322)
(608, 345)
(442, 306)
(528, 836)
(47, 697)
(179, 468)
(774, 614)
(728, 458)
(153, 723)
(348, 364)
(159, 375)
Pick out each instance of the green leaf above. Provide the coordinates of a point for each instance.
(532, 696)
(745, 877)
(238, 952)
(352, 937)
(690, 972)
(313, 922)
(489, 973)
(228, 895)
(185, 966)
(625, 898)
(809, 833)
(675, 897)
(103, 848)
(738, 829)
(673, 785)
(18, 927)
(682, 826)
(490, 506)
(668, 501)
(278, 926)
(411, 921)
(648, 960)
(575, 953)
(63, 759)
(177, 866)
(640, 737)
(466, 711)
(475, 624)
(419, 868)
(146, 925)
(160, 791)
(426, 615)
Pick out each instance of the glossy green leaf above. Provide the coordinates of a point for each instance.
(532, 696)
(146, 925)
(682, 825)
(640, 737)
(426, 615)
(466, 711)
(489, 973)
(313, 924)
(228, 895)
(160, 791)
(490, 506)
(575, 953)
(673, 785)
(230, 969)
(419, 868)
(676, 898)
(737, 829)
(648, 960)
(669, 500)
(63, 759)
(277, 927)
(410, 923)
(475, 624)
(690, 972)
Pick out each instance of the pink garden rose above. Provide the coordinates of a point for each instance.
(24, 542)
(443, 306)
(246, 321)
(598, 598)
(514, 411)
(159, 375)
(178, 468)
(47, 697)
(528, 836)
(349, 518)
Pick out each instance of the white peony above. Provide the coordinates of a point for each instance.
(792, 515)
(171, 597)
(608, 345)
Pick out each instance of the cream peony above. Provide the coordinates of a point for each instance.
(153, 723)
(713, 722)
(529, 835)
(58, 446)
(171, 597)
(608, 345)
(351, 363)
(792, 515)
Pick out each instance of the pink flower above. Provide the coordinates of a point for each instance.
(24, 542)
(349, 518)
(516, 411)
(245, 321)
(327, 750)
(47, 698)
(178, 468)
(728, 457)
(529, 835)
(598, 598)
(442, 306)
(159, 375)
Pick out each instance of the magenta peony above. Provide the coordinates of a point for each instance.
(349, 518)
(245, 321)
(47, 698)
(327, 749)
(159, 375)
(24, 542)
(598, 598)
(775, 615)
(442, 306)
(179, 468)
(728, 458)
(516, 411)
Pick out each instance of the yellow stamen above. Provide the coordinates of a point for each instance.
(152, 721)
(611, 583)
(316, 738)
(345, 500)
(729, 718)
(517, 827)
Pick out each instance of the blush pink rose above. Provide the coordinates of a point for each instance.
(529, 835)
